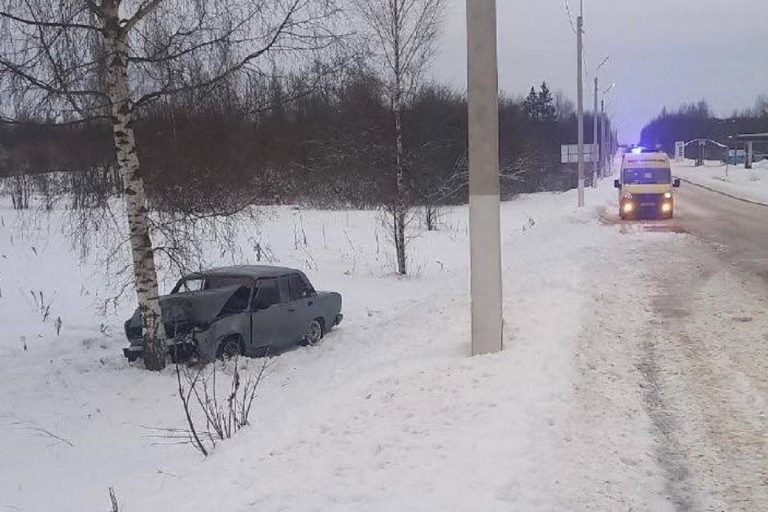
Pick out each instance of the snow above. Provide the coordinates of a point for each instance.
(749, 184)
(388, 412)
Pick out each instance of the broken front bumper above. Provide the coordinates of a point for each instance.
(177, 351)
(132, 353)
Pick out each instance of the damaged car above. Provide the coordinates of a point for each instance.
(247, 310)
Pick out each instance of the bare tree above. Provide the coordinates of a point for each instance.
(403, 34)
(761, 106)
(224, 415)
(73, 60)
(113, 500)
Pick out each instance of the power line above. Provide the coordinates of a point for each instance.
(569, 16)
(573, 28)
(584, 58)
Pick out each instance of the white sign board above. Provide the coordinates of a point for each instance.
(569, 153)
(679, 151)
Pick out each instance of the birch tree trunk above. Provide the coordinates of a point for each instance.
(401, 206)
(144, 273)
(404, 33)
(53, 58)
(400, 200)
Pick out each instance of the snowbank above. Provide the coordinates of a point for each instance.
(736, 181)
(388, 413)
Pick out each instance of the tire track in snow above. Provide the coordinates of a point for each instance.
(670, 451)
(706, 386)
(617, 467)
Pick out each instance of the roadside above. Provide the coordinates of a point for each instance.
(633, 378)
(733, 181)
(388, 412)
(555, 422)
(617, 452)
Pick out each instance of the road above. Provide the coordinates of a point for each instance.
(741, 228)
(705, 354)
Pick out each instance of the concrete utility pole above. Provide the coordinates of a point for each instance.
(580, 99)
(605, 143)
(613, 139)
(484, 215)
(603, 126)
(597, 158)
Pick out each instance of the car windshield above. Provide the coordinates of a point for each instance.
(647, 176)
(214, 282)
(189, 285)
(196, 284)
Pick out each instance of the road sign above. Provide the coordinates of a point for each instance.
(679, 151)
(569, 153)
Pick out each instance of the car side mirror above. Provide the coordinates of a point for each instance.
(616, 184)
(676, 183)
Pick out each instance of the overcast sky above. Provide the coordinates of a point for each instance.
(663, 52)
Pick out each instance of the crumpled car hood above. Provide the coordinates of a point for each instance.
(199, 309)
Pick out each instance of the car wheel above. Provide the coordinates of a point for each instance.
(229, 348)
(315, 333)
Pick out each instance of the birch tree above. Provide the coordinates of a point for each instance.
(403, 36)
(73, 60)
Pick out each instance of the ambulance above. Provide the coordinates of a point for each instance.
(646, 187)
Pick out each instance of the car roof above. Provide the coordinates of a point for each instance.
(657, 159)
(254, 271)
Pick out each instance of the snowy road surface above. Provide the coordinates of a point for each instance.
(633, 375)
(706, 355)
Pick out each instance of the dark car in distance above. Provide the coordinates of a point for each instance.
(246, 309)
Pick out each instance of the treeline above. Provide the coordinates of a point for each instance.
(328, 143)
(696, 121)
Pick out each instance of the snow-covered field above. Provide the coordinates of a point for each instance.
(387, 413)
(734, 180)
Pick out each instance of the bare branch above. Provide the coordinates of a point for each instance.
(145, 9)
(48, 24)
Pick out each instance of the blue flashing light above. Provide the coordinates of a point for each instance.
(637, 150)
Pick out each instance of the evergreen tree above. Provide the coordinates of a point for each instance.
(546, 104)
(531, 105)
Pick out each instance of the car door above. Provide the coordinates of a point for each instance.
(303, 301)
(270, 316)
